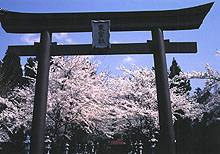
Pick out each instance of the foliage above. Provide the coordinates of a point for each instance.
(182, 84)
(204, 134)
(80, 99)
(201, 96)
(11, 74)
(211, 90)
(30, 71)
(137, 86)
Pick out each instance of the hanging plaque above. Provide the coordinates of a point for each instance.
(101, 33)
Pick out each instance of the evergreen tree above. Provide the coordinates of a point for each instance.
(174, 69)
(10, 73)
(202, 97)
(181, 83)
(29, 68)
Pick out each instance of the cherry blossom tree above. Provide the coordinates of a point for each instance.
(136, 94)
(212, 85)
(98, 103)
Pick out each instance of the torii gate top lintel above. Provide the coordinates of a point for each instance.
(180, 19)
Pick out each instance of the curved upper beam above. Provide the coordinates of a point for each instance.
(181, 19)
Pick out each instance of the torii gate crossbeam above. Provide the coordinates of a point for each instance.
(154, 21)
(116, 49)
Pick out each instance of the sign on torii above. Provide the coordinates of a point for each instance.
(154, 21)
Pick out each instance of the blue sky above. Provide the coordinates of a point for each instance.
(207, 36)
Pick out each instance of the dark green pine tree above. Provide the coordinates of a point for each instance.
(182, 84)
(202, 97)
(29, 68)
(174, 69)
(10, 74)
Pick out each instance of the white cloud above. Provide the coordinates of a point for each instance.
(128, 59)
(63, 38)
(114, 41)
(30, 38)
(60, 36)
(218, 53)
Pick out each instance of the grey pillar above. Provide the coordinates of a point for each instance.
(166, 142)
(40, 100)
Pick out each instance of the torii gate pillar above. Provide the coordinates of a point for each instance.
(41, 91)
(167, 137)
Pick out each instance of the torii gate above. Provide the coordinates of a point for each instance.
(154, 21)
